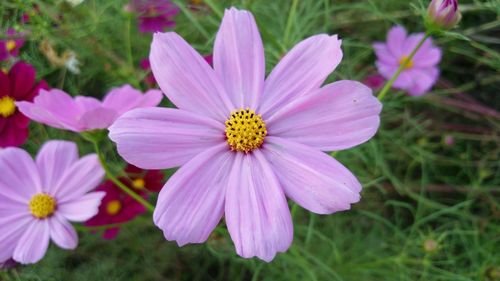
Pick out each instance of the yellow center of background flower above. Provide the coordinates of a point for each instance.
(11, 44)
(407, 64)
(245, 130)
(138, 183)
(113, 207)
(7, 106)
(42, 205)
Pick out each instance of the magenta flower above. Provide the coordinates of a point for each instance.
(39, 198)
(154, 15)
(18, 85)
(116, 207)
(243, 142)
(443, 13)
(10, 47)
(58, 109)
(420, 73)
(374, 81)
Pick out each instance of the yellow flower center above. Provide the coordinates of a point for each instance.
(11, 45)
(42, 205)
(113, 207)
(138, 183)
(405, 62)
(7, 106)
(245, 130)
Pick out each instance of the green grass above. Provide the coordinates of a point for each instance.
(416, 189)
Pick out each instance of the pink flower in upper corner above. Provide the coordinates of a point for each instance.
(18, 85)
(154, 15)
(10, 47)
(39, 198)
(244, 142)
(420, 73)
(58, 109)
(443, 13)
(375, 82)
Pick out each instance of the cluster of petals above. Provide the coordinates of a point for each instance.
(19, 84)
(56, 173)
(58, 109)
(249, 189)
(443, 13)
(420, 73)
(10, 47)
(154, 15)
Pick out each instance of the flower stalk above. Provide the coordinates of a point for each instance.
(388, 84)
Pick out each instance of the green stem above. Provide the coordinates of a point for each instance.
(289, 22)
(389, 83)
(118, 183)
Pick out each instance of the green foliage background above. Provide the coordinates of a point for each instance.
(416, 188)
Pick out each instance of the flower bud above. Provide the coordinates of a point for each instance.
(443, 14)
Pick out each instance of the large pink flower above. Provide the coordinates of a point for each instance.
(420, 73)
(39, 198)
(58, 109)
(243, 142)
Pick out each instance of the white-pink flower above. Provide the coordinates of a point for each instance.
(39, 198)
(245, 142)
(58, 109)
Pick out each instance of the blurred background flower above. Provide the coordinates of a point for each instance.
(154, 15)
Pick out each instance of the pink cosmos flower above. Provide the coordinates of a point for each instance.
(116, 207)
(244, 143)
(420, 73)
(58, 109)
(39, 198)
(154, 15)
(10, 48)
(18, 85)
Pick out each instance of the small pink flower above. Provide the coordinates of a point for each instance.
(449, 140)
(443, 13)
(58, 109)
(39, 198)
(245, 142)
(420, 73)
(154, 15)
(375, 82)
(10, 47)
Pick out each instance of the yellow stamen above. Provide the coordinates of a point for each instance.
(7, 106)
(245, 130)
(5, 70)
(42, 205)
(407, 64)
(113, 207)
(10, 45)
(138, 183)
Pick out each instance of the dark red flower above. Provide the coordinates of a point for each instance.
(154, 15)
(10, 47)
(18, 85)
(116, 207)
(143, 180)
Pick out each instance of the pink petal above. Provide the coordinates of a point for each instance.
(395, 41)
(33, 243)
(161, 138)
(53, 159)
(98, 118)
(429, 58)
(304, 68)
(239, 58)
(54, 108)
(62, 232)
(191, 203)
(423, 80)
(384, 56)
(186, 78)
(12, 228)
(83, 176)
(125, 98)
(81, 208)
(339, 116)
(19, 179)
(87, 103)
(257, 214)
(310, 177)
